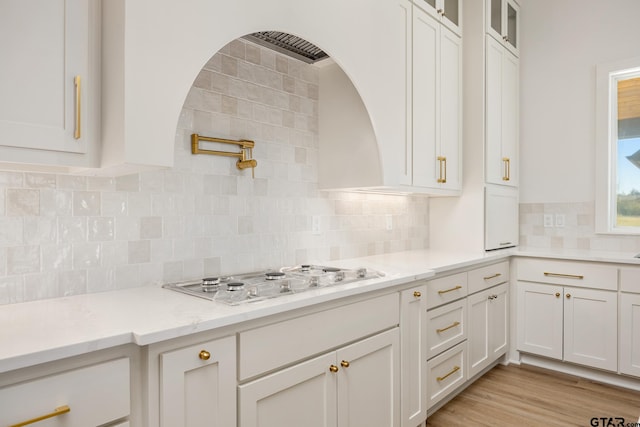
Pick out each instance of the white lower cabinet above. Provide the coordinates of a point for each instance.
(630, 334)
(572, 324)
(488, 327)
(577, 323)
(357, 385)
(198, 385)
(97, 395)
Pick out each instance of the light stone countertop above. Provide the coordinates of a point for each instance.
(47, 330)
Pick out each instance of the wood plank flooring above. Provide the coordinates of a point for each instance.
(530, 396)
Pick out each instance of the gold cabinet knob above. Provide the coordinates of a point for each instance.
(557, 294)
(333, 368)
(417, 294)
(344, 364)
(568, 296)
(204, 355)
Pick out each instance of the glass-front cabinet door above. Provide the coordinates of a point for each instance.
(503, 23)
(449, 12)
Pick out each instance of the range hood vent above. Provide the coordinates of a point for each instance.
(288, 44)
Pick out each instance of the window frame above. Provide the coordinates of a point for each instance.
(607, 77)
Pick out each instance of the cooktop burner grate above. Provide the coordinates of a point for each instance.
(259, 286)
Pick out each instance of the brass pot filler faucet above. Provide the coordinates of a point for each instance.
(246, 147)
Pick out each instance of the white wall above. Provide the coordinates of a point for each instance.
(562, 42)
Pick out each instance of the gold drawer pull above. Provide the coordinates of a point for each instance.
(77, 133)
(507, 169)
(492, 277)
(417, 294)
(204, 355)
(345, 364)
(58, 411)
(455, 288)
(333, 368)
(453, 371)
(566, 276)
(453, 325)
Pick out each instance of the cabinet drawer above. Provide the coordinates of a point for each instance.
(446, 289)
(272, 346)
(447, 326)
(95, 395)
(486, 277)
(572, 273)
(630, 280)
(446, 372)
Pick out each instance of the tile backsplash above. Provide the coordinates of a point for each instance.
(578, 231)
(64, 234)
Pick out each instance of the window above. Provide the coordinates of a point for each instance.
(618, 148)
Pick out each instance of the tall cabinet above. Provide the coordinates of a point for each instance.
(434, 96)
(490, 139)
(501, 123)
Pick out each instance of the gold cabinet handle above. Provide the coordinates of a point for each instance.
(453, 325)
(345, 364)
(333, 368)
(417, 294)
(77, 133)
(507, 169)
(568, 296)
(455, 288)
(56, 412)
(566, 276)
(493, 276)
(443, 169)
(453, 371)
(557, 294)
(204, 355)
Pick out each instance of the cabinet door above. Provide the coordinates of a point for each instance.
(539, 319)
(302, 395)
(413, 330)
(369, 382)
(512, 26)
(630, 334)
(426, 94)
(198, 385)
(488, 327)
(498, 322)
(503, 23)
(502, 214)
(502, 76)
(590, 327)
(510, 118)
(449, 12)
(437, 142)
(44, 47)
(450, 108)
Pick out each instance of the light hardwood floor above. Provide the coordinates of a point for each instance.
(529, 396)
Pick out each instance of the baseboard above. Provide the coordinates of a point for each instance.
(580, 371)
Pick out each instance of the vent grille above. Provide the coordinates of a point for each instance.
(288, 44)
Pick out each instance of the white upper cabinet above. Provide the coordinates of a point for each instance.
(436, 115)
(48, 82)
(503, 23)
(449, 12)
(501, 115)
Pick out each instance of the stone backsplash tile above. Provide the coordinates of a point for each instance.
(578, 231)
